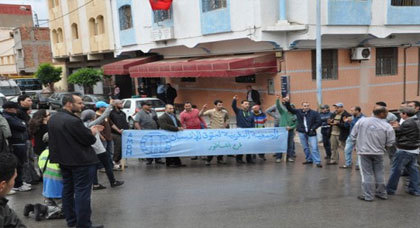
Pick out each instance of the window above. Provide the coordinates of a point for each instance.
(74, 31)
(59, 35)
(127, 104)
(246, 79)
(19, 53)
(54, 36)
(126, 20)
(162, 15)
(189, 79)
(329, 64)
(100, 24)
(92, 27)
(386, 61)
(210, 5)
(405, 2)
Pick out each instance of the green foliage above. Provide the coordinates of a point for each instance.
(86, 77)
(48, 74)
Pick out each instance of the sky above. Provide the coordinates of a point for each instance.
(38, 6)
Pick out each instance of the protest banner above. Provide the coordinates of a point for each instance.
(161, 143)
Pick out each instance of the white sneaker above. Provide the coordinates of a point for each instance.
(22, 188)
(27, 184)
(278, 160)
(12, 192)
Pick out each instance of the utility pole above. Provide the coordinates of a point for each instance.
(318, 53)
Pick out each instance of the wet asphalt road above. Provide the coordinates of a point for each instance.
(262, 195)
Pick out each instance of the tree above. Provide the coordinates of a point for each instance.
(48, 75)
(87, 77)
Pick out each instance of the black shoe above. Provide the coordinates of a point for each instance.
(98, 187)
(179, 165)
(117, 183)
(327, 157)
(250, 162)
(307, 163)
(28, 209)
(40, 211)
(194, 158)
(319, 165)
(240, 162)
(148, 163)
(332, 163)
(363, 198)
(160, 162)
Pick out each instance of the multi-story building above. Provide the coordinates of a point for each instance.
(81, 34)
(7, 55)
(15, 16)
(215, 48)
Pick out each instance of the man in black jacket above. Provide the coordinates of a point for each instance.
(308, 121)
(407, 142)
(17, 141)
(169, 122)
(8, 217)
(119, 124)
(339, 132)
(253, 96)
(171, 94)
(70, 146)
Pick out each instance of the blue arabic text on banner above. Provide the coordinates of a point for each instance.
(161, 143)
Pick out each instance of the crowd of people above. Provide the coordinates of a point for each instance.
(72, 145)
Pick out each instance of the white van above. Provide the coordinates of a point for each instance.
(9, 88)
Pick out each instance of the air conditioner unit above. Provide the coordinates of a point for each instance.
(360, 53)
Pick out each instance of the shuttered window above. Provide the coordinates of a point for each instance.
(329, 64)
(405, 2)
(386, 61)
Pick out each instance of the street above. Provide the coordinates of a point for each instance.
(262, 195)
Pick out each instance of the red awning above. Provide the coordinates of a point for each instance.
(121, 67)
(222, 66)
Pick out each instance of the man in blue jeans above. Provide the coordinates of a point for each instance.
(70, 146)
(407, 142)
(356, 115)
(308, 121)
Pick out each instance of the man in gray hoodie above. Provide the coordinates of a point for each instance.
(373, 136)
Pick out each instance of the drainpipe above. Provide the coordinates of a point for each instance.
(405, 72)
(318, 53)
(282, 10)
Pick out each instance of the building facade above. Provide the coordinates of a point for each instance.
(81, 34)
(15, 16)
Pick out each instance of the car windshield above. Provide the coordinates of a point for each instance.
(155, 103)
(10, 91)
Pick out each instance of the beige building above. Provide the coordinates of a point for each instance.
(81, 34)
(7, 55)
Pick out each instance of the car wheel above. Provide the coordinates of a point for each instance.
(131, 123)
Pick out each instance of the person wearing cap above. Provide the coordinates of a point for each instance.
(339, 132)
(105, 136)
(407, 143)
(308, 121)
(17, 141)
(119, 120)
(326, 129)
(356, 115)
(146, 119)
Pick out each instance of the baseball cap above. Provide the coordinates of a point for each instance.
(325, 106)
(339, 104)
(101, 104)
(10, 104)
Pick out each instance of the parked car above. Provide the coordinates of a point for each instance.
(55, 100)
(132, 105)
(9, 88)
(29, 84)
(90, 100)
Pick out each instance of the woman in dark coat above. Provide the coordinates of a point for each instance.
(37, 129)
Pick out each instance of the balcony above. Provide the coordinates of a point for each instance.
(59, 50)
